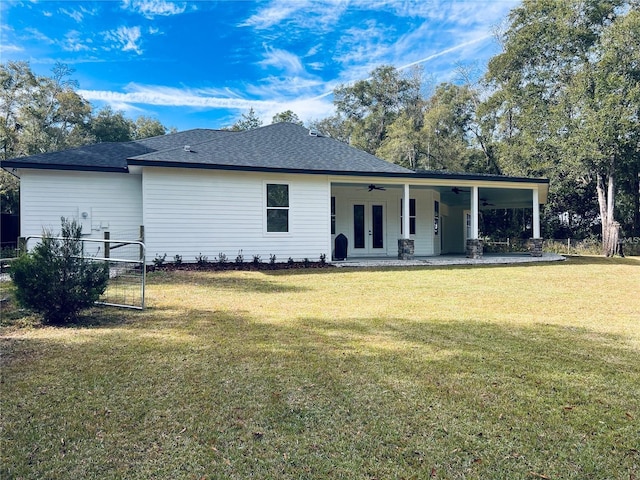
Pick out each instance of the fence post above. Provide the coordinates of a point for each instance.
(22, 245)
(107, 245)
(568, 246)
(142, 240)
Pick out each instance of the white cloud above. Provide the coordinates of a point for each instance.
(8, 47)
(368, 44)
(125, 38)
(307, 108)
(281, 60)
(308, 15)
(275, 13)
(170, 96)
(36, 34)
(73, 42)
(154, 8)
(76, 14)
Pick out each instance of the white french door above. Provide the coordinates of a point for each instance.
(369, 228)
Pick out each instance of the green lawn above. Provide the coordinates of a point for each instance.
(518, 372)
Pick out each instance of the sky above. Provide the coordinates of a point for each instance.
(203, 64)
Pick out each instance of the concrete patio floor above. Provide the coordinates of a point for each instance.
(442, 260)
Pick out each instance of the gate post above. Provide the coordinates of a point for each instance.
(107, 245)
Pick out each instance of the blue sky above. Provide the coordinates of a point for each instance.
(203, 64)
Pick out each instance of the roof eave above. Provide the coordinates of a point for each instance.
(408, 175)
(50, 166)
(249, 168)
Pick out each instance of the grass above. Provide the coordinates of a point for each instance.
(518, 372)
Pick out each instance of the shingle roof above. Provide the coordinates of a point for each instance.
(281, 146)
(278, 147)
(111, 156)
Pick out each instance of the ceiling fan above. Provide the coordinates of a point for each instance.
(375, 187)
(458, 191)
(485, 203)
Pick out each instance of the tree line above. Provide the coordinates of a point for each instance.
(40, 114)
(560, 101)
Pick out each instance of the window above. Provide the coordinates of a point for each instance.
(333, 215)
(436, 217)
(277, 208)
(412, 216)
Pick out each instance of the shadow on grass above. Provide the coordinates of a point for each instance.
(226, 280)
(344, 396)
(602, 260)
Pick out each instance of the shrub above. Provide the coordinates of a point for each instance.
(240, 258)
(158, 261)
(177, 259)
(222, 258)
(202, 260)
(257, 260)
(55, 279)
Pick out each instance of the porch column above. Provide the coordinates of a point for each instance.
(536, 241)
(474, 244)
(536, 214)
(406, 247)
(475, 208)
(405, 213)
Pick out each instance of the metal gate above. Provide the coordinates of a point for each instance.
(127, 272)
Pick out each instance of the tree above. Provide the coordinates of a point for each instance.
(40, 114)
(333, 126)
(565, 103)
(248, 121)
(447, 127)
(110, 126)
(287, 116)
(370, 106)
(55, 279)
(37, 115)
(145, 127)
(9, 193)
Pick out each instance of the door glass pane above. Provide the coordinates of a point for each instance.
(377, 226)
(358, 226)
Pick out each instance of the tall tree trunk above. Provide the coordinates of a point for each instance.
(606, 202)
(636, 202)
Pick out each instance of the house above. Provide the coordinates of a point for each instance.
(277, 190)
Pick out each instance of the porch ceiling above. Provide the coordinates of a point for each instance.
(490, 198)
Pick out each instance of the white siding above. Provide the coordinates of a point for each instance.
(192, 212)
(113, 202)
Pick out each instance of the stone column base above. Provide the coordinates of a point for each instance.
(406, 248)
(474, 248)
(535, 247)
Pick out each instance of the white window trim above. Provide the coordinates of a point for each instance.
(265, 208)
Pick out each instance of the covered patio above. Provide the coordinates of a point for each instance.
(443, 208)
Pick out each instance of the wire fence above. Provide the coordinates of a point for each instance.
(629, 246)
(127, 271)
